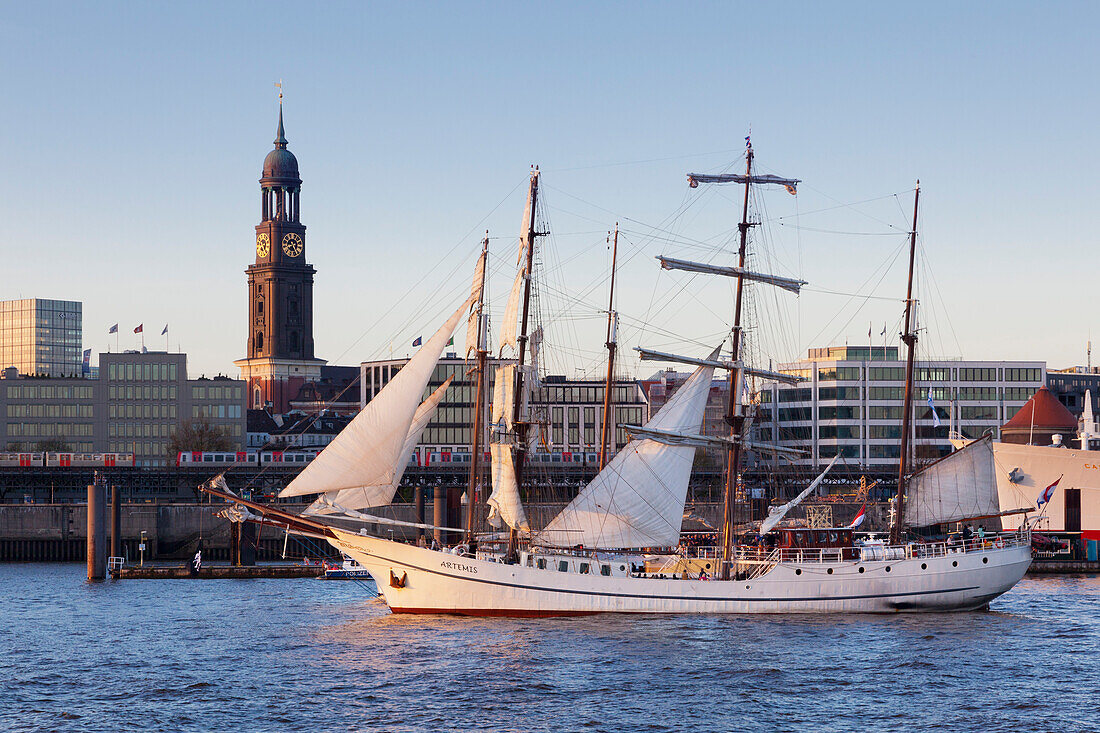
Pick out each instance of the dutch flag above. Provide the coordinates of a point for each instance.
(1047, 493)
(859, 517)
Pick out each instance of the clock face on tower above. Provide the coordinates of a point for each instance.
(263, 245)
(292, 245)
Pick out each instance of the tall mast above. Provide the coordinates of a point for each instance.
(479, 401)
(733, 403)
(612, 327)
(518, 419)
(910, 339)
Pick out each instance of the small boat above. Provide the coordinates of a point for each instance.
(349, 569)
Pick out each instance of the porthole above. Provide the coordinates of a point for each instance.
(829, 571)
(954, 563)
(861, 568)
(887, 568)
(623, 567)
(798, 571)
(985, 560)
(924, 566)
(747, 587)
(708, 566)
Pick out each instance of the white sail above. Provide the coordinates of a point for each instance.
(959, 486)
(475, 313)
(504, 388)
(504, 503)
(637, 500)
(362, 497)
(777, 513)
(510, 328)
(370, 450)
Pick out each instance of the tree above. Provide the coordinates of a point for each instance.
(198, 434)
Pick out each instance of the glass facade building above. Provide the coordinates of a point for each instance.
(851, 404)
(41, 337)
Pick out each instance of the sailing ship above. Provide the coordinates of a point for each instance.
(612, 548)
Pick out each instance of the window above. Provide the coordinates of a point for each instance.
(563, 566)
(541, 563)
(988, 394)
(838, 393)
(886, 393)
(887, 432)
(832, 432)
(838, 374)
(605, 570)
(884, 413)
(983, 412)
(933, 374)
(977, 375)
(840, 412)
(887, 374)
(259, 341)
(1023, 375)
(1018, 393)
(795, 395)
(791, 414)
(584, 568)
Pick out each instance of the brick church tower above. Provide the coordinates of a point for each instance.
(280, 290)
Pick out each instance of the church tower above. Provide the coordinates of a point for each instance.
(280, 289)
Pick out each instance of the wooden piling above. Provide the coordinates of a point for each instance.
(439, 513)
(97, 520)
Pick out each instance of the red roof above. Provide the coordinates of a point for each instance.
(1049, 414)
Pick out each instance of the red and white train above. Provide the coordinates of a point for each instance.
(419, 457)
(66, 460)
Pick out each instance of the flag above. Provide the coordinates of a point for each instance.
(113, 329)
(883, 330)
(419, 340)
(140, 328)
(868, 331)
(932, 407)
(451, 342)
(860, 516)
(1046, 494)
(86, 365)
(165, 331)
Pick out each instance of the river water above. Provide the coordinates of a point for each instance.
(309, 655)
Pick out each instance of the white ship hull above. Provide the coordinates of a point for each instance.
(418, 580)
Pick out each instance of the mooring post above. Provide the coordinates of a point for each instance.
(116, 523)
(97, 520)
(439, 513)
(419, 499)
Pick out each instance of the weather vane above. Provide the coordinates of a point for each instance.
(279, 86)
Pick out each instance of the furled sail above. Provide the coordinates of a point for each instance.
(510, 328)
(777, 513)
(370, 451)
(504, 503)
(958, 486)
(504, 387)
(362, 497)
(475, 311)
(637, 500)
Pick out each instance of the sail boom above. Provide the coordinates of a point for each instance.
(706, 441)
(787, 283)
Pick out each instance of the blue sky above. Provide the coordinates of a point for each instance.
(134, 135)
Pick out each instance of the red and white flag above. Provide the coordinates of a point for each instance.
(1048, 492)
(140, 328)
(859, 517)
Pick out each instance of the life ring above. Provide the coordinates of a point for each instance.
(999, 543)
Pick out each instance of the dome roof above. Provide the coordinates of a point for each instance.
(280, 163)
(1049, 414)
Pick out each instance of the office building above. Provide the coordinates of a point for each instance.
(136, 405)
(41, 337)
(851, 404)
